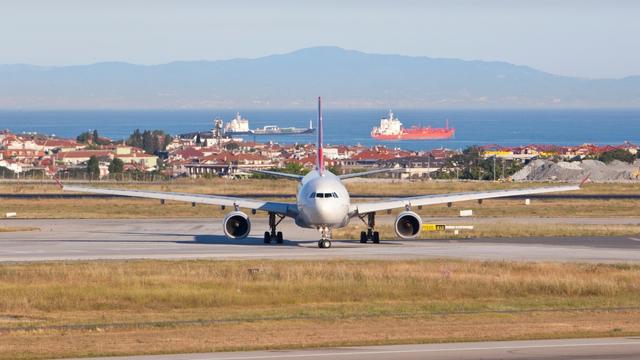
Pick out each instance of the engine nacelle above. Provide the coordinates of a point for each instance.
(408, 225)
(236, 225)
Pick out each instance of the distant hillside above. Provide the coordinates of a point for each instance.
(346, 78)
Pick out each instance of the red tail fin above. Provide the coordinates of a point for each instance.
(320, 160)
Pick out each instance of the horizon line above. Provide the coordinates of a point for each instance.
(121, 62)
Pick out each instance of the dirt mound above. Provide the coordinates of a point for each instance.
(546, 170)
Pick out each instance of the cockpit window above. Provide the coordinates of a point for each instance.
(323, 195)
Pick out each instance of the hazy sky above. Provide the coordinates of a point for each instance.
(574, 37)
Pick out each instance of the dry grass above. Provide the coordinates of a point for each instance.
(17, 228)
(503, 229)
(316, 333)
(200, 186)
(280, 186)
(144, 208)
(277, 304)
(116, 208)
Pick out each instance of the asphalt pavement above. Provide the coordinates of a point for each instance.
(571, 349)
(203, 238)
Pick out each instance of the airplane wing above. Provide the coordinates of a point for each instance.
(367, 207)
(280, 174)
(366, 173)
(287, 209)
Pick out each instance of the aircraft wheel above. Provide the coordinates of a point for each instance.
(279, 238)
(267, 237)
(324, 244)
(376, 237)
(363, 237)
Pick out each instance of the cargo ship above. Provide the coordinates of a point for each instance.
(240, 126)
(275, 130)
(237, 126)
(391, 129)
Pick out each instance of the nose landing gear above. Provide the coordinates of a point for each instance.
(370, 234)
(274, 234)
(325, 240)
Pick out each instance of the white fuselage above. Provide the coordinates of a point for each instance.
(322, 201)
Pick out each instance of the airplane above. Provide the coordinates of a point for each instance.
(322, 203)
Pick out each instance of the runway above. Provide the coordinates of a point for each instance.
(574, 349)
(203, 238)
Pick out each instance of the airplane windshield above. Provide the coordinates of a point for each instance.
(323, 195)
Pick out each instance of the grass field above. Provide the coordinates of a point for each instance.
(125, 208)
(143, 208)
(17, 228)
(356, 186)
(127, 307)
(502, 229)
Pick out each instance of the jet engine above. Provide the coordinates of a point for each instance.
(408, 225)
(236, 225)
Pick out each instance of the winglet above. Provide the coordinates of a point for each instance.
(586, 178)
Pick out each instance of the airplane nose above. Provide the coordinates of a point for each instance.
(329, 213)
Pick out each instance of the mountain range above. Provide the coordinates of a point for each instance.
(346, 78)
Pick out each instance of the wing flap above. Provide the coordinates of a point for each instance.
(363, 208)
(277, 207)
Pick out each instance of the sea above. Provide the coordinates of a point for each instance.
(351, 127)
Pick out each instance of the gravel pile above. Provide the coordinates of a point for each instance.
(546, 170)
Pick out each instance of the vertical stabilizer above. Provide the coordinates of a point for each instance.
(320, 160)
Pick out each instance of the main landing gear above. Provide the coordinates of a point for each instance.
(325, 240)
(370, 234)
(274, 234)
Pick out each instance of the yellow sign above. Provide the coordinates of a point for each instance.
(433, 227)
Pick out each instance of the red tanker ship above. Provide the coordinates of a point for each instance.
(391, 129)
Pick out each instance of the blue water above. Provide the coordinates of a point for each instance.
(474, 127)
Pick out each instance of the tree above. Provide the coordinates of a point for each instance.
(151, 141)
(295, 168)
(116, 166)
(6, 173)
(148, 142)
(336, 170)
(93, 167)
(135, 139)
(95, 137)
(167, 141)
(231, 146)
(83, 137)
(198, 140)
(617, 154)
